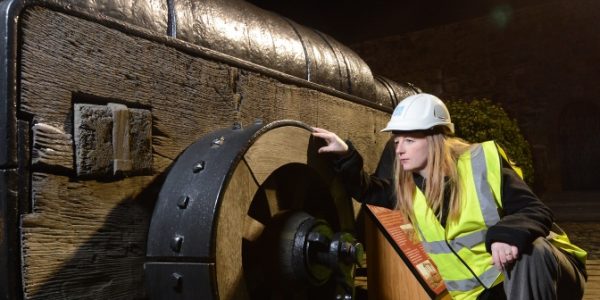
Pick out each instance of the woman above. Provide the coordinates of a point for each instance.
(476, 218)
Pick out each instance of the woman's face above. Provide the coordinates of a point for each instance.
(412, 151)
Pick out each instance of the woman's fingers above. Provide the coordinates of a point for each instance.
(503, 254)
(326, 149)
(496, 260)
(334, 144)
(323, 135)
(512, 254)
(515, 251)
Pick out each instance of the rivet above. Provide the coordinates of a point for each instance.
(199, 166)
(177, 281)
(218, 141)
(176, 243)
(183, 202)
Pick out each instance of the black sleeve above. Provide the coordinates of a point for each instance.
(524, 217)
(374, 189)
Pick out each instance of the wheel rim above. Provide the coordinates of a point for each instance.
(275, 175)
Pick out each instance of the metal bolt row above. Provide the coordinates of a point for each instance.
(184, 200)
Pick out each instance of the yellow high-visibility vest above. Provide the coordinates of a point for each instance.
(459, 249)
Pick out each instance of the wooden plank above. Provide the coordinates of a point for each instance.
(592, 287)
(86, 238)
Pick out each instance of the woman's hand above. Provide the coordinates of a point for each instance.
(503, 255)
(334, 144)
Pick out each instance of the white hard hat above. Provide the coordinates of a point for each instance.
(420, 112)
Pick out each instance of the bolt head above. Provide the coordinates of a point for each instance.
(177, 281)
(176, 243)
(218, 141)
(183, 201)
(199, 166)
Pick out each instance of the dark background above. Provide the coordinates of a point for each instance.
(356, 21)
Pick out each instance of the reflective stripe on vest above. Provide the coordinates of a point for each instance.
(466, 241)
(469, 284)
(459, 249)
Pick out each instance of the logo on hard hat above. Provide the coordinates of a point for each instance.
(440, 113)
(398, 111)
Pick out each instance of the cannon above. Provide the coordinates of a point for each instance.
(162, 149)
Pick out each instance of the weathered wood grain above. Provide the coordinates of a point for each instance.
(51, 147)
(592, 287)
(265, 98)
(85, 237)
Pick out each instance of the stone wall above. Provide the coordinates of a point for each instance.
(541, 62)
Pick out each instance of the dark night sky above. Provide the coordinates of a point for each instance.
(355, 21)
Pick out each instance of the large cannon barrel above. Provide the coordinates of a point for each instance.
(244, 31)
(99, 101)
(389, 93)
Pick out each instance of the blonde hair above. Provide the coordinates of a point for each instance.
(443, 174)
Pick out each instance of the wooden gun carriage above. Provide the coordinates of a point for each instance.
(99, 198)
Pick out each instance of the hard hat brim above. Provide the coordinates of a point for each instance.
(448, 128)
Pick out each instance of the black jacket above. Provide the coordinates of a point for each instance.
(523, 217)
